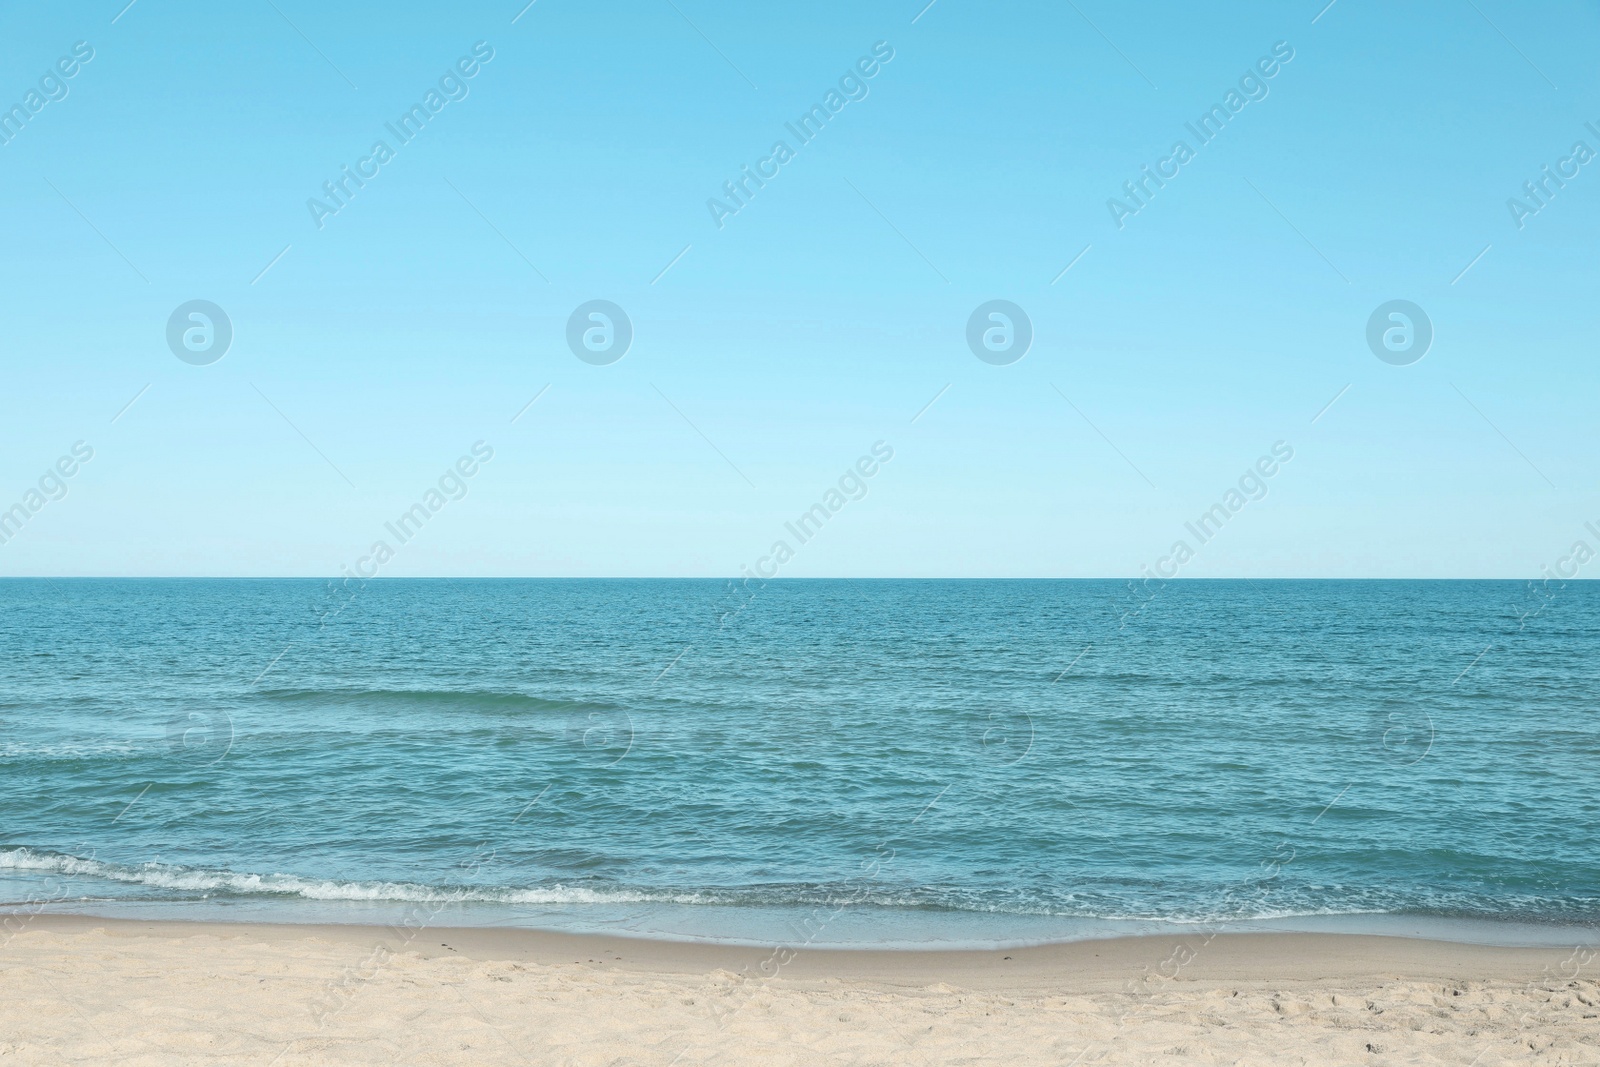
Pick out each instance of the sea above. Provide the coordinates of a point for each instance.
(808, 762)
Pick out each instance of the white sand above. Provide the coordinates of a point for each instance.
(85, 991)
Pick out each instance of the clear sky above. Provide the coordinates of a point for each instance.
(1198, 325)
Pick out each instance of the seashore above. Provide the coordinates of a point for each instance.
(79, 988)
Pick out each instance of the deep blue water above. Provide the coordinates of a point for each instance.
(853, 760)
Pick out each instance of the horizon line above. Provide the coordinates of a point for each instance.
(732, 577)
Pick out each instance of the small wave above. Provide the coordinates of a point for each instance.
(213, 881)
(208, 882)
(477, 699)
(70, 750)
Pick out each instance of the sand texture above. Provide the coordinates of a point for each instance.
(79, 991)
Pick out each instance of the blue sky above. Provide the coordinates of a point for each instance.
(771, 353)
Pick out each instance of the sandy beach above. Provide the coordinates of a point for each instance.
(88, 990)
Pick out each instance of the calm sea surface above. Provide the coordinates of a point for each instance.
(837, 762)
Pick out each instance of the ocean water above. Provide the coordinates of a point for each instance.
(824, 762)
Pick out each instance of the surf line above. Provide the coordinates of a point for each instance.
(341, 992)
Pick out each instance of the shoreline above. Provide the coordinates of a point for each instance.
(159, 992)
(869, 928)
(1097, 964)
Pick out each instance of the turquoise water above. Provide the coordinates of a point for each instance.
(825, 761)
